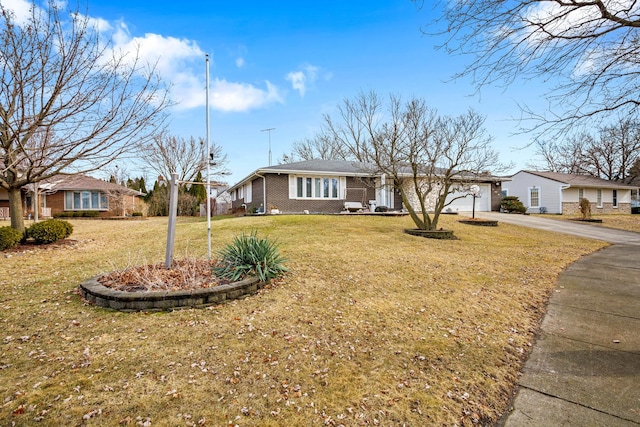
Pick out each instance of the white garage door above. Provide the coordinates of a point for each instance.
(465, 204)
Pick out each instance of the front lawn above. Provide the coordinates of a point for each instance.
(371, 326)
(619, 222)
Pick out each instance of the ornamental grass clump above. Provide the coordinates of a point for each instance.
(250, 256)
(585, 208)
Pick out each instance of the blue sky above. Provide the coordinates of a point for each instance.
(283, 64)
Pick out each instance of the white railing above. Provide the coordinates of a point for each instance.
(4, 213)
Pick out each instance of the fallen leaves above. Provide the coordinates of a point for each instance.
(184, 274)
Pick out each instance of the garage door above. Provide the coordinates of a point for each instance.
(465, 204)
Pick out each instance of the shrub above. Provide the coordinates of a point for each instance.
(585, 208)
(137, 214)
(9, 237)
(49, 231)
(65, 214)
(249, 256)
(512, 204)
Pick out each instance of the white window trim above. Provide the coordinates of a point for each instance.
(248, 193)
(614, 200)
(293, 187)
(539, 197)
(101, 196)
(599, 197)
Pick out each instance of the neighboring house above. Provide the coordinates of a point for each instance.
(4, 205)
(323, 186)
(220, 200)
(560, 193)
(72, 193)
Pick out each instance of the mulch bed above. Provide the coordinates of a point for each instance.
(186, 274)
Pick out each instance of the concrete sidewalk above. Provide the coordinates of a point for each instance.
(584, 369)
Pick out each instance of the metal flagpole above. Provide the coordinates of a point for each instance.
(208, 168)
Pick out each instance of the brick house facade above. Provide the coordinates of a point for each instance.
(324, 186)
(81, 193)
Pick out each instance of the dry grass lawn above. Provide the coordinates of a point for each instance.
(619, 222)
(370, 327)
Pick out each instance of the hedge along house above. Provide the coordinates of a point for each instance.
(560, 193)
(326, 186)
(67, 194)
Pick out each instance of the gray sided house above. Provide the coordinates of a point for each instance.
(326, 186)
(560, 193)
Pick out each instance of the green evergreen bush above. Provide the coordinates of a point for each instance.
(49, 231)
(512, 204)
(250, 256)
(9, 237)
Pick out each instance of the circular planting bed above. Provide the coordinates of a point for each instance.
(431, 234)
(480, 222)
(594, 220)
(188, 283)
(93, 291)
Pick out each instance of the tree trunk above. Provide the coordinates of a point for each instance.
(15, 209)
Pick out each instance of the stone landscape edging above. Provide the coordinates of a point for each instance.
(102, 296)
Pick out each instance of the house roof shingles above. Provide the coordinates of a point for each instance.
(336, 167)
(64, 182)
(576, 180)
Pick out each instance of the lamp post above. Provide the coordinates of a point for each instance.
(269, 130)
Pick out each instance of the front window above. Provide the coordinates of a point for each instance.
(615, 198)
(580, 194)
(534, 197)
(599, 197)
(85, 201)
(317, 187)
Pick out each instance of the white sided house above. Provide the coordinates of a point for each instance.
(560, 193)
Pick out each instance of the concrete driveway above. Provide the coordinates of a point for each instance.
(582, 229)
(584, 369)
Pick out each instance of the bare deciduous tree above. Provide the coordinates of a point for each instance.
(429, 157)
(318, 147)
(591, 46)
(167, 154)
(609, 154)
(68, 102)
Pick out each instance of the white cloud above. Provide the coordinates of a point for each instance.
(179, 62)
(302, 79)
(20, 8)
(230, 96)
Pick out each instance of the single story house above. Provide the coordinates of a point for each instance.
(73, 193)
(326, 186)
(560, 193)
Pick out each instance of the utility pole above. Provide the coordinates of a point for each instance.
(208, 170)
(269, 130)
